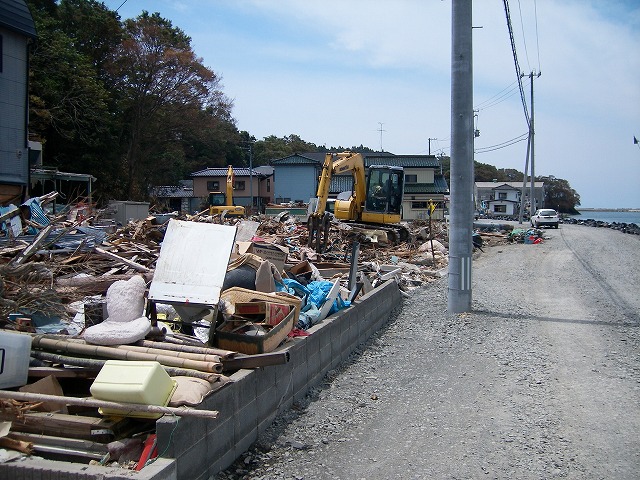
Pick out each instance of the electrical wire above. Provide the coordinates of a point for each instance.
(524, 40)
(508, 92)
(508, 143)
(535, 9)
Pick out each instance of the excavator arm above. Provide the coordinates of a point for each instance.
(230, 186)
(319, 220)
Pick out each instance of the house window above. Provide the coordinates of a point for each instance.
(500, 208)
(213, 186)
(268, 185)
(418, 205)
(502, 195)
(411, 178)
(239, 185)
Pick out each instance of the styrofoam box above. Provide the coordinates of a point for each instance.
(15, 349)
(133, 382)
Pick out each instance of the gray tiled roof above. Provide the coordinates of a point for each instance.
(312, 158)
(439, 186)
(15, 15)
(425, 161)
(406, 161)
(173, 191)
(222, 172)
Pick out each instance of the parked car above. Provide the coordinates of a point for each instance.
(545, 217)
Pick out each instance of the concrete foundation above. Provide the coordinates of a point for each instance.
(196, 449)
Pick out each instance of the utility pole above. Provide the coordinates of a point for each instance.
(532, 132)
(460, 232)
(430, 144)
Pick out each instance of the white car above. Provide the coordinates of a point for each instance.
(545, 217)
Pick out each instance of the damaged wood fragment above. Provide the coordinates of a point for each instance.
(129, 263)
(92, 402)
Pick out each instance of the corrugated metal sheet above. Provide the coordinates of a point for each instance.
(15, 15)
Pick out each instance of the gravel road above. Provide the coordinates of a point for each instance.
(541, 380)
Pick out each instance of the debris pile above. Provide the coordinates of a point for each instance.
(174, 313)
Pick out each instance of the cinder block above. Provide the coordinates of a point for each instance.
(223, 462)
(164, 427)
(245, 388)
(245, 420)
(221, 439)
(190, 431)
(191, 463)
(243, 443)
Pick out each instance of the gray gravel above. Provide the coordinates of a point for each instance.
(541, 380)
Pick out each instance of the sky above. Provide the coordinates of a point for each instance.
(378, 73)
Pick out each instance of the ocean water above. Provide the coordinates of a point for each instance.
(609, 216)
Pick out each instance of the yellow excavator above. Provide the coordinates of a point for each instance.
(375, 200)
(220, 202)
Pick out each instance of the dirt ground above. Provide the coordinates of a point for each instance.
(541, 380)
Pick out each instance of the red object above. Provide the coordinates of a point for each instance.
(149, 451)
(297, 332)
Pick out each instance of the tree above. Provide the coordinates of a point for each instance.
(559, 195)
(273, 147)
(163, 88)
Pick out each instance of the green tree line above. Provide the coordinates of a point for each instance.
(130, 102)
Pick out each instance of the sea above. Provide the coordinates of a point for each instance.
(610, 216)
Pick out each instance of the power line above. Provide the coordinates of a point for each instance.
(524, 41)
(535, 9)
(508, 143)
(499, 98)
(515, 60)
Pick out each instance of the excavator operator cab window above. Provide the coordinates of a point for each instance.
(384, 191)
(216, 199)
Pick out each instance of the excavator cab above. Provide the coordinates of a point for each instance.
(384, 195)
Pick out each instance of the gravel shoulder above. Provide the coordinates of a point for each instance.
(540, 380)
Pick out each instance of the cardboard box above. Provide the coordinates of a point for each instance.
(267, 312)
(276, 254)
(253, 344)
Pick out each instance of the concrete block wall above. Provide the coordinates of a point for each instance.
(195, 449)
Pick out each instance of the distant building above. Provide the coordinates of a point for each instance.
(176, 198)
(257, 183)
(17, 32)
(504, 198)
(296, 179)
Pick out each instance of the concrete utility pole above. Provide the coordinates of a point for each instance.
(460, 232)
(531, 139)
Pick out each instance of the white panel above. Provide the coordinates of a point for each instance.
(192, 263)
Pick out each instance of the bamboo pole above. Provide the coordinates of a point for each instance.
(96, 364)
(201, 357)
(114, 353)
(186, 348)
(92, 402)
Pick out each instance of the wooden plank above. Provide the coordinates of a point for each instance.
(72, 426)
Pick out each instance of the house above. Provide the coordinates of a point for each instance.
(504, 198)
(256, 183)
(296, 179)
(17, 32)
(177, 198)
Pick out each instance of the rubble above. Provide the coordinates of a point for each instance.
(57, 272)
